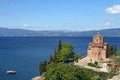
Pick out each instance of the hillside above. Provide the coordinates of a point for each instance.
(21, 32)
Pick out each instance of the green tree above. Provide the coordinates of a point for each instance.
(65, 52)
(59, 45)
(51, 58)
(42, 67)
(76, 57)
(118, 53)
(112, 49)
(55, 55)
(61, 71)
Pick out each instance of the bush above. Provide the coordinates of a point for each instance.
(94, 65)
(61, 71)
(76, 57)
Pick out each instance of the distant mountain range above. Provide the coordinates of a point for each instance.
(21, 32)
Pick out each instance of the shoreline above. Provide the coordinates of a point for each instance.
(38, 78)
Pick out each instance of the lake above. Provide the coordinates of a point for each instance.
(23, 54)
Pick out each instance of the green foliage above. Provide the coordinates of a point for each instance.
(58, 70)
(42, 67)
(112, 49)
(118, 53)
(76, 56)
(55, 55)
(61, 71)
(65, 52)
(118, 61)
(94, 65)
(59, 45)
(51, 58)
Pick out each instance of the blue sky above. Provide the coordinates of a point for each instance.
(74, 15)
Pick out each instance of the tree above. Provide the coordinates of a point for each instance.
(51, 58)
(55, 55)
(61, 71)
(59, 45)
(112, 49)
(42, 67)
(113, 58)
(76, 57)
(118, 53)
(65, 52)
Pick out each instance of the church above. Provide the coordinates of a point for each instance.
(98, 49)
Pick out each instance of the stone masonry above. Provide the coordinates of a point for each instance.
(97, 50)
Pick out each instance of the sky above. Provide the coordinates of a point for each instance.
(73, 15)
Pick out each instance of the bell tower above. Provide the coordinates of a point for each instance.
(98, 39)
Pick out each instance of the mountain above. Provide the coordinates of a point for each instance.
(21, 32)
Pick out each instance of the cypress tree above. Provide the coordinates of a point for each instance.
(41, 68)
(112, 49)
(51, 58)
(59, 45)
(55, 55)
(44, 66)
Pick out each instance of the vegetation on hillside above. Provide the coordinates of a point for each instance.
(59, 66)
(94, 64)
(112, 49)
(114, 55)
(62, 71)
(65, 53)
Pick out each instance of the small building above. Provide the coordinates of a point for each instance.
(97, 50)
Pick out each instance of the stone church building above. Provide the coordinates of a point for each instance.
(97, 50)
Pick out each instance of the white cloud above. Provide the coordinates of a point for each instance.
(26, 25)
(115, 9)
(107, 23)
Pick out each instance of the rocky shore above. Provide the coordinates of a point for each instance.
(38, 78)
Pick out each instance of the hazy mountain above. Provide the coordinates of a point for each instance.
(21, 32)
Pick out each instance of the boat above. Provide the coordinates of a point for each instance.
(10, 72)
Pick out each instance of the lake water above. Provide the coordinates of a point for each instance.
(23, 54)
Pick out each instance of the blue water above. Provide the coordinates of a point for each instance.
(23, 54)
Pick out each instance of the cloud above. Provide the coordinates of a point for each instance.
(115, 9)
(26, 25)
(107, 24)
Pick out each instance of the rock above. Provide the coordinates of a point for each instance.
(38, 78)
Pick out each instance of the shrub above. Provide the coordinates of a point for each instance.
(94, 65)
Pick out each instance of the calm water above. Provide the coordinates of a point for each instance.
(23, 54)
